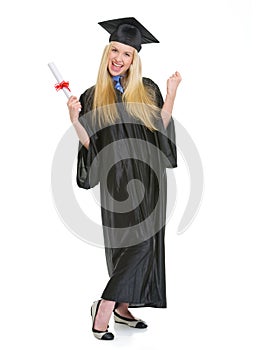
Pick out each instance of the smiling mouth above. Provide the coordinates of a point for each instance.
(117, 65)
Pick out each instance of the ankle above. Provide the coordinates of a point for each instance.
(122, 307)
(106, 306)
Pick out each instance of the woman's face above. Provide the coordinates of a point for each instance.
(120, 58)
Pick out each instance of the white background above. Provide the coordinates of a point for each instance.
(49, 277)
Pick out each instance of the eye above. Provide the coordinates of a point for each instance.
(114, 50)
(128, 54)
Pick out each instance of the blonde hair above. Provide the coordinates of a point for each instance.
(138, 100)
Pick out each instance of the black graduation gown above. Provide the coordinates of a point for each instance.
(129, 162)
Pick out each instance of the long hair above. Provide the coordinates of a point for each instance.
(138, 99)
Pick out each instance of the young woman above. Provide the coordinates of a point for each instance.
(127, 133)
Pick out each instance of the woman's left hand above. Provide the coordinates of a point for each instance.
(173, 83)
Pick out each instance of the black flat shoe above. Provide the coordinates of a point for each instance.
(131, 322)
(102, 335)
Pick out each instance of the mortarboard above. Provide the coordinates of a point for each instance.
(128, 31)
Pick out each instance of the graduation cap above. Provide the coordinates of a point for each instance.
(128, 31)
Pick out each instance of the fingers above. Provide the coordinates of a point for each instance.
(74, 107)
(173, 83)
(73, 103)
(176, 75)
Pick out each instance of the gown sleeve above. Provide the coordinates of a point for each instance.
(87, 162)
(165, 137)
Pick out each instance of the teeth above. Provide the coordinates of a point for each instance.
(117, 65)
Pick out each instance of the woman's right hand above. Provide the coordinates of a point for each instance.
(74, 107)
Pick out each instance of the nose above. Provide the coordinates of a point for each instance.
(119, 56)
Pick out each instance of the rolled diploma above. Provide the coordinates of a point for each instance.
(58, 77)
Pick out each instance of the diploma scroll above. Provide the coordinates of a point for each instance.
(62, 85)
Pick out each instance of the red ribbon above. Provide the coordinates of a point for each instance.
(63, 84)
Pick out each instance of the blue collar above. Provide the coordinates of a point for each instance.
(118, 85)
